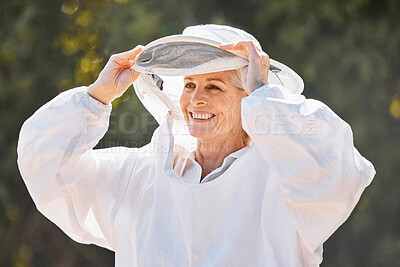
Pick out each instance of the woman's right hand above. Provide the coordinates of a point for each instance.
(116, 76)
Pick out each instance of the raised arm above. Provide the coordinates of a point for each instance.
(309, 148)
(76, 187)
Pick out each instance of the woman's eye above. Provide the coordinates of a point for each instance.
(190, 85)
(213, 87)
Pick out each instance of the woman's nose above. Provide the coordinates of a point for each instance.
(199, 97)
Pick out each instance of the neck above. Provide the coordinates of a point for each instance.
(211, 154)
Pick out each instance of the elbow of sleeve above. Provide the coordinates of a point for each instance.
(25, 158)
(364, 167)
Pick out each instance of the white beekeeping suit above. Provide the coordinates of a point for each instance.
(273, 203)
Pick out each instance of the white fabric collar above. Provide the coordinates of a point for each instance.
(187, 170)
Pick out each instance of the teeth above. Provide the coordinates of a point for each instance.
(201, 116)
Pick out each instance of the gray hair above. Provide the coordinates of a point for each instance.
(236, 76)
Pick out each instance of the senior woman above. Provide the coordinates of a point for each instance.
(271, 177)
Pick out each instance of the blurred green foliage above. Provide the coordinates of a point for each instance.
(348, 53)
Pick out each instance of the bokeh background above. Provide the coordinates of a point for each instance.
(348, 53)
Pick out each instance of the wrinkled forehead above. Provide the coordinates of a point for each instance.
(220, 75)
(231, 78)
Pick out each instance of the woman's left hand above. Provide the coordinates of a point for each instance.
(255, 74)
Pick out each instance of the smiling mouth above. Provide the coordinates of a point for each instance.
(201, 116)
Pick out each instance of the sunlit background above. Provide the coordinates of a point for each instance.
(348, 53)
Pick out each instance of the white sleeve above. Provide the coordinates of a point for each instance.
(76, 187)
(310, 150)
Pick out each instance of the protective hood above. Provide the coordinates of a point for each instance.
(164, 62)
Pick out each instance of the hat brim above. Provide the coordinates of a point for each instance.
(279, 73)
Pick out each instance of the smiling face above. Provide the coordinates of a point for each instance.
(211, 105)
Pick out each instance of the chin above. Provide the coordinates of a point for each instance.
(202, 135)
(198, 135)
